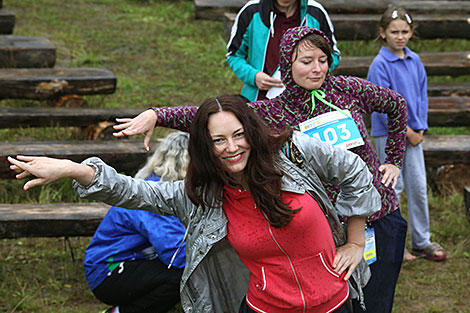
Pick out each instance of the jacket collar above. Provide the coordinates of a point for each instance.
(391, 57)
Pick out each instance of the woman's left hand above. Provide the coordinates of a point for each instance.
(389, 174)
(347, 258)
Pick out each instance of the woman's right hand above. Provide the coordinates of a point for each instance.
(48, 170)
(144, 123)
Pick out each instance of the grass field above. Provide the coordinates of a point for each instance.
(162, 56)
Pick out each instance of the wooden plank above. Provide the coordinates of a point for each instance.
(125, 156)
(365, 26)
(13, 117)
(50, 220)
(452, 89)
(379, 6)
(466, 197)
(436, 64)
(214, 9)
(446, 149)
(26, 52)
(44, 83)
(7, 22)
(443, 112)
(449, 111)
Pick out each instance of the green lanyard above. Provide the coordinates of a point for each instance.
(320, 95)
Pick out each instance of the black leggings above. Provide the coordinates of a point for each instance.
(345, 308)
(141, 286)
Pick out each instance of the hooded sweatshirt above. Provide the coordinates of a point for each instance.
(294, 106)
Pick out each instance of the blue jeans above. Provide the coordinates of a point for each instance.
(390, 235)
(412, 179)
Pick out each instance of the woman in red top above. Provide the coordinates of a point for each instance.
(274, 207)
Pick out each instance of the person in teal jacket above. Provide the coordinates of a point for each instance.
(253, 47)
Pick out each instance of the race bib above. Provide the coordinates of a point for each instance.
(337, 128)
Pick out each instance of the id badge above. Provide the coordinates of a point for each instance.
(337, 128)
(370, 254)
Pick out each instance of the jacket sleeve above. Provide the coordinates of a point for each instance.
(342, 168)
(374, 98)
(423, 88)
(166, 198)
(179, 117)
(238, 49)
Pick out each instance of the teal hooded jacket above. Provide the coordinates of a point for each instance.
(251, 30)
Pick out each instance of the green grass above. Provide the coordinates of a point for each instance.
(162, 56)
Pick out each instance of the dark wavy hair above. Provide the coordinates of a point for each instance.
(206, 175)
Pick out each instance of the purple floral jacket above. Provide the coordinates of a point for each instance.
(294, 105)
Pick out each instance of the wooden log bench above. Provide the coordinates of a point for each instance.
(436, 64)
(129, 155)
(449, 111)
(7, 22)
(126, 156)
(449, 89)
(45, 83)
(446, 149)
(13, 117)
(50, 220)
(214, 9)
(26, 52)
(466, 196)
(443, 112)
(365, 26)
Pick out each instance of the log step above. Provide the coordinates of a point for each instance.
(128, 155)
(124, 155)
(43, 84)
(443, 112)
(449, 89)
(446, 149)
(365, 26)
(50, 220)
(7, 22)
(26, 52)
(13, 117)
(449, 111)
(436, 64)
(214, 9)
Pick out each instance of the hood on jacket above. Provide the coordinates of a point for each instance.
(288, 43)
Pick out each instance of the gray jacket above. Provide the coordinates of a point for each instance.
(214, 279)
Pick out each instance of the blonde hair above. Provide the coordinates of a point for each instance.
(170, 159)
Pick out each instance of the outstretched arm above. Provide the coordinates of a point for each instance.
(144, 123)
(178, 117)
(48, 170)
